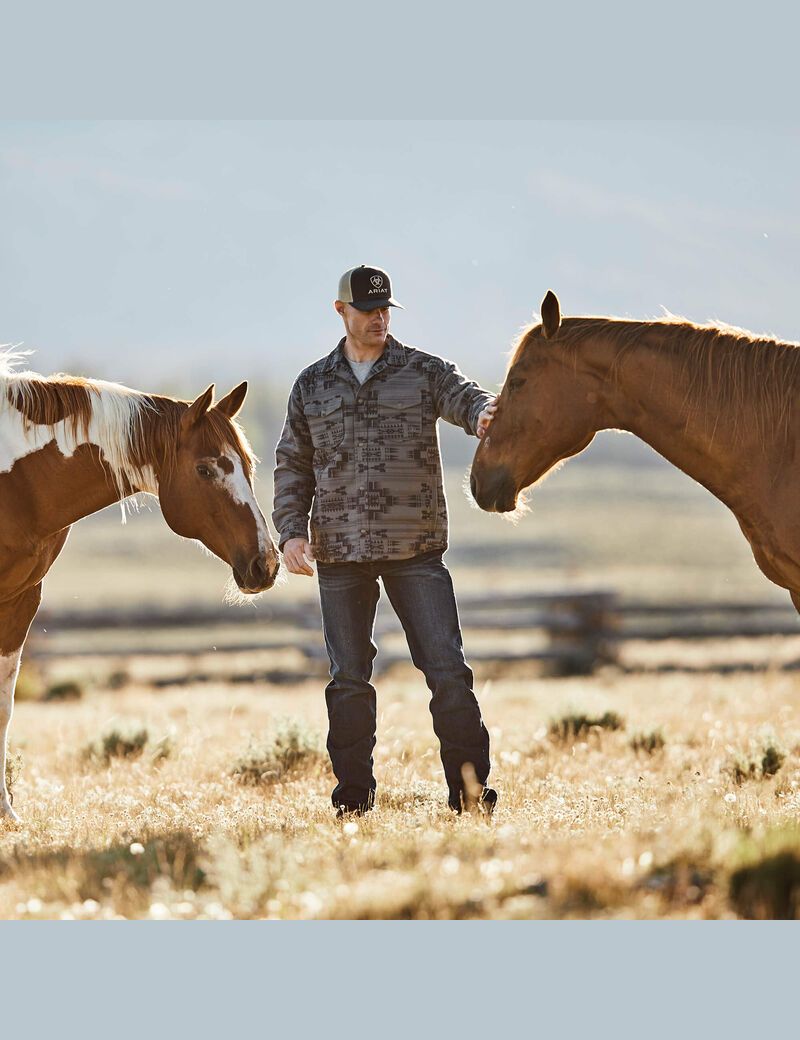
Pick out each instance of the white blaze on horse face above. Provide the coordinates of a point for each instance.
(9, 667)
(238, 487)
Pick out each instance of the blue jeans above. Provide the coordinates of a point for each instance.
(420, 590)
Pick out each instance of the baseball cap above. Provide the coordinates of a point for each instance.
(366, 288)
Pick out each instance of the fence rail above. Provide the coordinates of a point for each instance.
(710, 619)
(571, 632)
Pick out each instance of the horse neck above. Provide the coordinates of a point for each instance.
(59, 489)
(657, 396)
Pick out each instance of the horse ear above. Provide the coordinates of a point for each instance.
(198, 408)
(231, 404)
(551, 315)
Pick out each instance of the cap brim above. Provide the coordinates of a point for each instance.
(373, 305)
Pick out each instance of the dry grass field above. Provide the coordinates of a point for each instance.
(627, 794)
(598, 822)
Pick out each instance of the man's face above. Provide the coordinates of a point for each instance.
(369, 328)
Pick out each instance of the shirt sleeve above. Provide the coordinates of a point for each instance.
(459, 400)
(294, 473)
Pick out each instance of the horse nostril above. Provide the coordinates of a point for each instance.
(473, 484)
(257, 572)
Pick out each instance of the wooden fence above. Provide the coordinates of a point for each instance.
(565, 633)
(711, 619)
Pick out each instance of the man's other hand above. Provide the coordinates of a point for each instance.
(298, 555)
(485, 418)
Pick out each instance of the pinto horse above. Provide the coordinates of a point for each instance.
(719, 403)
(69, 447)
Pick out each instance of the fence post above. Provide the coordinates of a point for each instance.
(579, 635)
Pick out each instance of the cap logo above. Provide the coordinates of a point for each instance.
(377, 280)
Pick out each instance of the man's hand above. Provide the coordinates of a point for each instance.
(485, 418)
(298, 555)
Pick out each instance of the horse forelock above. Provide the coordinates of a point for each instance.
(227, 432)
(159, 436)
(519, 344)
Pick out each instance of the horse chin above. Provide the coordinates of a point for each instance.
(509, 502)
(506, 503)
(512, 505)
(247, 590)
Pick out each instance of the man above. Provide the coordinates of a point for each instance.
(360, 443)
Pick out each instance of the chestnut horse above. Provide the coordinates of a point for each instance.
(69, 447)
(719, 403)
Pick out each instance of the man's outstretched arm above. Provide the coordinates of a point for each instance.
(462, 402)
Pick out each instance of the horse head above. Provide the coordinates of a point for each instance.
(206, 491)
(546, 413)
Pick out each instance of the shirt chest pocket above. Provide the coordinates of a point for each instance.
(400, 419)
(325, 423)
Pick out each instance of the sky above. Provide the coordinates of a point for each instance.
(169, 254)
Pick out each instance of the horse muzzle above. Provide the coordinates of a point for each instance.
(259, 574)
(494, 489)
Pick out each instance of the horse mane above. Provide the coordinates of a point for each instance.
(134, 430)
(720, 362)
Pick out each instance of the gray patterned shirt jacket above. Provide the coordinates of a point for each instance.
(361, 461)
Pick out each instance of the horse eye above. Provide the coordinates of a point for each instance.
(204, 470)
(515, 383)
